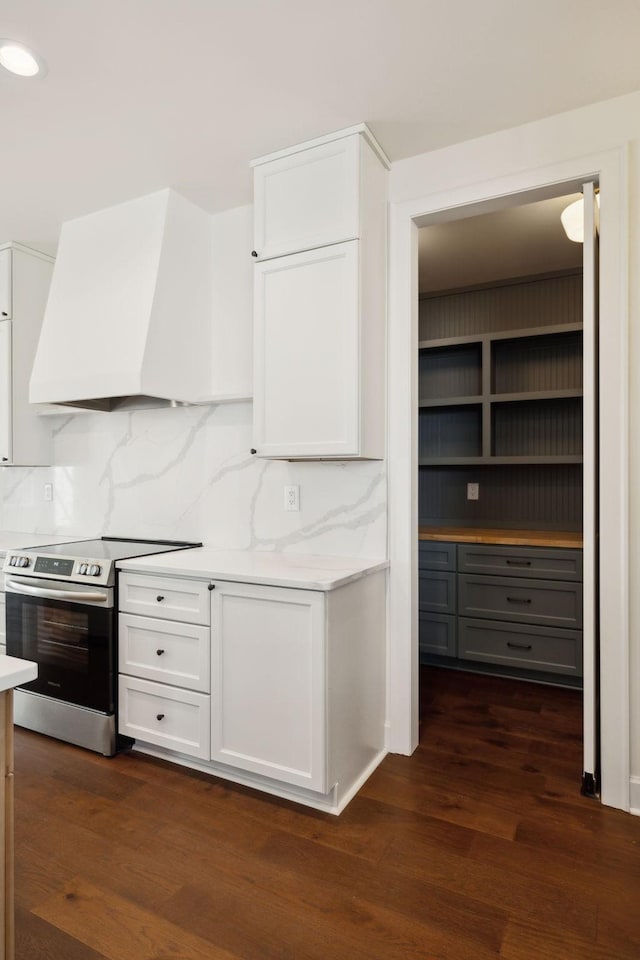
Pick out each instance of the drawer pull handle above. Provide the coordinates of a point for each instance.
(159, 652)
(518, 599)
(519, 646)
(159, 598)
(519, 563)
(159, 716)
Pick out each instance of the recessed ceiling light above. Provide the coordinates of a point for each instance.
(18, 59)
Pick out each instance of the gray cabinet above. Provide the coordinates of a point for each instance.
(505, 609)
(437, 599)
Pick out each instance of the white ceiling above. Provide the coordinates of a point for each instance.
(143, 94)
(514, 242)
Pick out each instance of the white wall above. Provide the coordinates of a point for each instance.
(499, 160)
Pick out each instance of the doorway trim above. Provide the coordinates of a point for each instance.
(610, 169)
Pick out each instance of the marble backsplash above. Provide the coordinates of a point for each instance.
(187, 473)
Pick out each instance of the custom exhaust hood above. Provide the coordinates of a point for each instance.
(128, 320)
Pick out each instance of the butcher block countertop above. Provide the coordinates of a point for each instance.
(516, 538)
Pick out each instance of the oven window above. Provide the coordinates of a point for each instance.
(73, 645)
(60, 637)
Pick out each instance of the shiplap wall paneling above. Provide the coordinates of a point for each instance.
(538, 428)
(534, 302)
(545, 497)
(537, 363)
(450, 432)
(454, 371)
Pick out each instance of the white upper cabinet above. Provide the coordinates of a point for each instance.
(25, 275)
(5, 284)
(320, 300)
(307, 199)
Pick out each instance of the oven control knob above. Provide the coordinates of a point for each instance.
(23, 561)
(94, 570)
(12, 561)
(82, 568)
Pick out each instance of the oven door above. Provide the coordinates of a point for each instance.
(68, 630)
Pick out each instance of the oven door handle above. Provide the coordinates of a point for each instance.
(50, 594)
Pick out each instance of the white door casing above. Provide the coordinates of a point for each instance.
(609, 168)
(589, 472)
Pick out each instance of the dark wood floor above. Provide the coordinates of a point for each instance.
(478, 846)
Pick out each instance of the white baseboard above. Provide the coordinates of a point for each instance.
(634, 796)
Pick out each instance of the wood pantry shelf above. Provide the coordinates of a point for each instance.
(507, 537)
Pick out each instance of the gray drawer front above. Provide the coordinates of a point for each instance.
(547, 603)
(437, 592)
(551, 564)
(516, 645)
(434, 555)
(438, 634)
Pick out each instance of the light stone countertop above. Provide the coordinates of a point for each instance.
(297, 570)
(14, 671)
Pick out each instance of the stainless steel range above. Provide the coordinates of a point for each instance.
(62, 613)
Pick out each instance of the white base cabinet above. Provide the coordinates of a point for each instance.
(320, 300)
(297, 683)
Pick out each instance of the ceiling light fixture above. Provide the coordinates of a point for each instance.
(572, 218)
(19, 59)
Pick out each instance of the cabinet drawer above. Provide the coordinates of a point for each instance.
(437, 592)
(175, 653)
(166, 597)
(514, 645)
(551, 564)
(438, 634)
(433, 555)
(527, 601)
(176, 719)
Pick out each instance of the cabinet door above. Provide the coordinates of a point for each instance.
(5, 284)
(306, 369)
(6, 438)
(268, 682)
(307, 199)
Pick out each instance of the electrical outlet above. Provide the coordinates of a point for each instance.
(292, 497)
(473, 491)
(48, 491)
